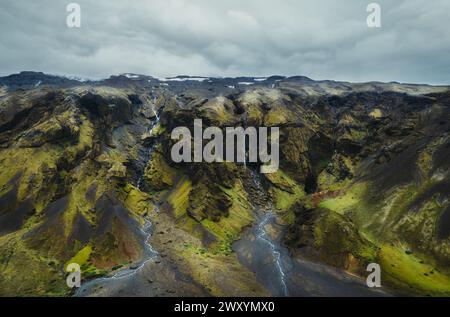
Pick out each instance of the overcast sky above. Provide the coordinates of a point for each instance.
(321, 39)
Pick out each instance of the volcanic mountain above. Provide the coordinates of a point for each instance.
(87, 178)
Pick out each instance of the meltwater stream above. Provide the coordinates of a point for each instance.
(149, 253)
(274, 250)
(262, 251)
(124, 274)
(260, 248)
(150, 150)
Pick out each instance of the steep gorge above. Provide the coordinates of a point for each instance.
(86, 167)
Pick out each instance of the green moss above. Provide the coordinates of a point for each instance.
(376, 114)
(411, 273)
(285, 191)
(158, 130)
(85, 141)
(34, 171)
(81, 257)
(137, 201)
(343, 203)
(221, 274)
(388, 218)
(356, 201)
(399, 206)
(255, 115)
(158, 174)
(109, 157)
(425, 160)
(283, 200)
(240, 215)
(355, 135)
(179, 197)
(278, 116)
(25, 273)
(218, 111)
(336, 175)
(78, 201)
(339, 241)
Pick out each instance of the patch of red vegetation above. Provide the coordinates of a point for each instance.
(316, 198)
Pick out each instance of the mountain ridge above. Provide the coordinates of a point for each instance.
(86, 165)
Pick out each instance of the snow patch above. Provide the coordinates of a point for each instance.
(131, 76)
(200, 79)
(79, 79)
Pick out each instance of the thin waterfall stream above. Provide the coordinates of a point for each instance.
(148, 157)
(149, 252)
(262, 251)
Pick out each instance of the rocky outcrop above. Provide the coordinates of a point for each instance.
(81, 169)
(331, 238)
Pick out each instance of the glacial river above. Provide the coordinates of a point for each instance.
(260, 250)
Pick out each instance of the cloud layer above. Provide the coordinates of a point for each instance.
(322, 39)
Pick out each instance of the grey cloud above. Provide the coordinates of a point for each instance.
(322, 39)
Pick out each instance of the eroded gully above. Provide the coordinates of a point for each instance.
(262, 251)
(126, 275)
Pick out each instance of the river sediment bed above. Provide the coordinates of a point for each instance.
(261, 250)
(88, 178)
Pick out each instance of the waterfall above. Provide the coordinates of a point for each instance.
(148, 156)
(261, 233)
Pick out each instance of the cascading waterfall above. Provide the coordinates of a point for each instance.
(256, 180)
(245, 153)
(261, 233)
(147, 229)
(149, 253)
(150, 151)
